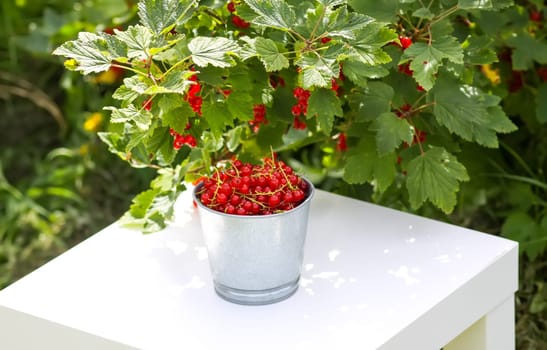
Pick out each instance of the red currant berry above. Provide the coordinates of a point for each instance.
(298, 195)
(205, 198)
(273, 183)
(288, 197)
(222, 198)
(226, 189)
(296, 110)
(274, 200)
(405, 42)
(240, 22)
(255, 208)
(535, 16)
(405, 69)
(247, 205)
(230, 209)
(235, 199)
(246, 170)
(244, 189)
(341, 144)
(237, 164)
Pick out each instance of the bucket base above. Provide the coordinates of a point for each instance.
(257, 297)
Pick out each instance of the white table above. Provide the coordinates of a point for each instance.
(373, 278)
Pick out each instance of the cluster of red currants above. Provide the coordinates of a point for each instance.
(182, 139)
(259, 117)
(236, 20)
(301, 107)
(253, 189)
(192, 96)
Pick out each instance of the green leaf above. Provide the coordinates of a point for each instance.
(519, 226)
(167, 153)
(359, 72)
(161, 15)
(242, 79)
(157, 139)
(435, 176)
(141, 118)
(391, 131)
(89, 52)
(233, 138)
(152, 208)
(169, 102)
(240, 105)
(273, 13)
(177, 118)
(426, 58)
(480, 50)
(365, 165)
(469, 113)
(318, 70)
(342, 23)
(522, 57)
(324, 104)
(484, 4)
(368, 43)
(135, 142)
(138, 40)
(149, 212)
(136, 84)
(217, 116)
(214, 76)
(384, 11)
(269, 54)
(541, 103)
(498, 120)
(125, 93)
(173, 82)
(115, 142)
(166, 180)
(376, 101)
(142, 202)
(212, 142)
(216, 51)
(116, 48)
(424, 13)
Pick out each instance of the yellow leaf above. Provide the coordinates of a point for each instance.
(491, 74)
(93, 122)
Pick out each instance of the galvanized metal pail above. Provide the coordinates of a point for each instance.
(255, 260)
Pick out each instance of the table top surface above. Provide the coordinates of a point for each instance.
(369, 272)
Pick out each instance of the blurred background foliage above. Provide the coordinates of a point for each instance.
(59, 184)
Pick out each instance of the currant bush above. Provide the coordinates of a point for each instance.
(358, 84)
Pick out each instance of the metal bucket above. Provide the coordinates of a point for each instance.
(255, 260)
